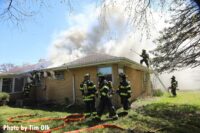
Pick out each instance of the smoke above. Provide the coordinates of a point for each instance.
(95, 30)
(109, 31)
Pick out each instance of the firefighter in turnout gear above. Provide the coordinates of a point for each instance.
(145, 58)
(89, 92)
(105, 91)
(124, 91)
(27, 89)
(174, 85)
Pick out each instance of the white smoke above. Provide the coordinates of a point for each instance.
(96, 30)
(108, 31)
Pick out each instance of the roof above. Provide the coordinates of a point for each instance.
(99, 59)
(26, 68)
(89, 60)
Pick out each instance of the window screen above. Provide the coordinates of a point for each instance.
(7, 85)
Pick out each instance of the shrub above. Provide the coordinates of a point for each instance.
(158, 93)
(4, 96)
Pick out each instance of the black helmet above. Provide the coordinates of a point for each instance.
(99, 74)
(122, 75)
(173, 77)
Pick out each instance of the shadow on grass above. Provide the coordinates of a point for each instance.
(172, 118)
(56, 108)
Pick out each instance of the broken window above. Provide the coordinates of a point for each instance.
(107, 71)
(60, 75)
(7, 85)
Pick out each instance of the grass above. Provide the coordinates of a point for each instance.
(165, 114)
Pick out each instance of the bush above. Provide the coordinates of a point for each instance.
(158, 93)
(4, 96)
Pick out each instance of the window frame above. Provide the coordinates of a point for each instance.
(106, 66)
(58, 76)
(23, 80)
(11, 85)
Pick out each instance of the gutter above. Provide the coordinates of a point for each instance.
(73, 91)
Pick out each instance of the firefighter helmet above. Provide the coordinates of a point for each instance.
(122, 75)
(99, 74)
(173, 77)
(87, 75)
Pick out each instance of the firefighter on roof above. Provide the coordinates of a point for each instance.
(145, 58)
(174, 85)
(89, 92)
(124, 91)
(105, 98)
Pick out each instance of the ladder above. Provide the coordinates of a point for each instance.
(154, 72)
(157, 76)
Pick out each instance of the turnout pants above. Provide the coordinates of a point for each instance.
(173, 91)
(125, 103)
(90, 107)
(146, 62)
(106, 102)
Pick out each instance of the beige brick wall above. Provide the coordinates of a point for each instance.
(58, 90)
(136, 79)
(79, 75)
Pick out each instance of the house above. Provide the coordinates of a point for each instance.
(14, 81)
(67, 78)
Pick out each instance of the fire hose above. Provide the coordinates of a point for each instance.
(66, 120)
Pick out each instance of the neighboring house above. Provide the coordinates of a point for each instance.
(14, 80)
(67, 79)
(12, 83)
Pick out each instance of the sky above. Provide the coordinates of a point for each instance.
(28, 42)
(62, 34)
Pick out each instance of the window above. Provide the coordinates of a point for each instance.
(7, 85)
(120, 70)
(107, 71)
(60, 75)
(19, 84)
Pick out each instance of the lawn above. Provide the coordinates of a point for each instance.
(164, 114)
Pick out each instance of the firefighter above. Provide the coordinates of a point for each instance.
(124, 91)
(105, 98)
(145, 58)
(27, 87)
(89, 92)
(174, 85)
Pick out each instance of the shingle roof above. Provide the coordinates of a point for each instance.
(89, 60)
(27, 68)
(100, 59)
(92, 59)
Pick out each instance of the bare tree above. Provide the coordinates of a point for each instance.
(16, 11)
(6, 67)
